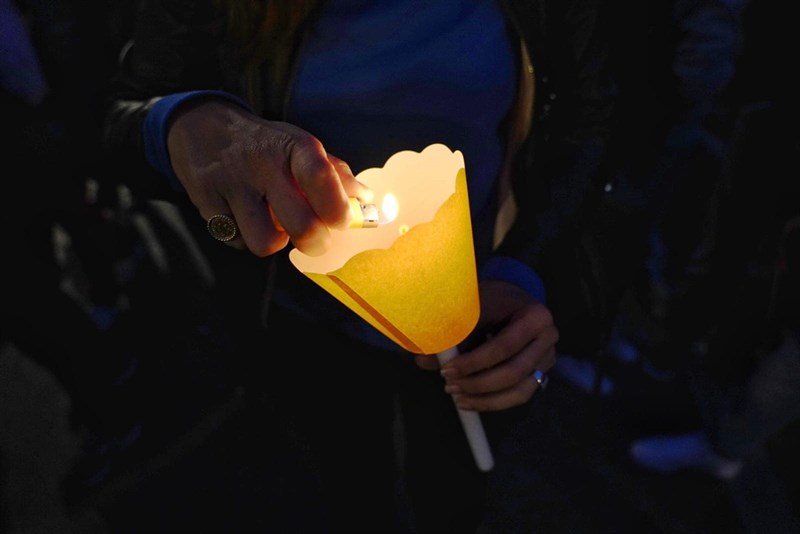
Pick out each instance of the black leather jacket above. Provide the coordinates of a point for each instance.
(555, 170)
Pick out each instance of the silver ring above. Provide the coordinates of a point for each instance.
(222, 227)
(541, 378)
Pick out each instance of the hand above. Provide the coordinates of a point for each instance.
(274, 178)
(520, 338)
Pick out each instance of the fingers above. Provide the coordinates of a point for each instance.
(257, 229)
(260, 233)
(274, 179)
(497, 401)
(427, 362)
(497, 374)
(306, 191)
(521, 346)
(502, 386)
(353, 187)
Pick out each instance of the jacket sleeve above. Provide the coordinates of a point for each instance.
(558, 171)
(175, 48)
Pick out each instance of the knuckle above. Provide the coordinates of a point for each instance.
(540, 314)
(503, 345)
(517, 369)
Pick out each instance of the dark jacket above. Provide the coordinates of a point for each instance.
(556, 172)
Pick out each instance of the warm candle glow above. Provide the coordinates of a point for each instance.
(389, 208)
(368, 215)
(405, 276)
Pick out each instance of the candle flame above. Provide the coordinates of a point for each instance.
(389, 208)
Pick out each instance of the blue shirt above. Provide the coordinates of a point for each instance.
(377, 77)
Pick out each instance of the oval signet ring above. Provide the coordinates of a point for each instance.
(222, 227)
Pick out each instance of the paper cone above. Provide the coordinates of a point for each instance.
(414, 278)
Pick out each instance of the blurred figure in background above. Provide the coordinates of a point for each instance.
(668, 153)
(746, 372)
(55, 62)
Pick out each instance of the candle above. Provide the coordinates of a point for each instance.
(412, 276)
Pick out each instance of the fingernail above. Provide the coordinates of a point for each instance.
(448, 373)
(452, 389)
(462, 403)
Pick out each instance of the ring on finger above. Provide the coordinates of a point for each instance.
(541, 378)
(222, 227)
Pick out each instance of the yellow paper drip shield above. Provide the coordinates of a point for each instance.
(413, 278)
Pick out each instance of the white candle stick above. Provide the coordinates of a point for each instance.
(471, 422)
